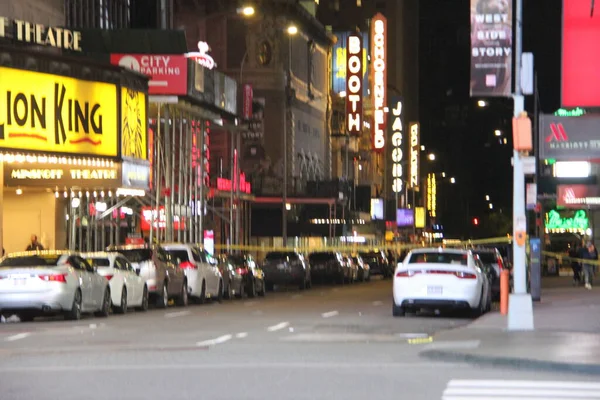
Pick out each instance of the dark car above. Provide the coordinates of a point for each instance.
(378, 263)
(493, 264)
(253, 277)
(329, 266)
(284, 268)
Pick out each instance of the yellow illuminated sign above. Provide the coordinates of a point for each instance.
(51, 113)
(431, 195)
(133, 124)
(419, 217)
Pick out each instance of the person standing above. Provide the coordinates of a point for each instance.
(589, 253)
(575, 265)
(34, 245)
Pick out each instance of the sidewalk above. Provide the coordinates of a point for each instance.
(566, 336)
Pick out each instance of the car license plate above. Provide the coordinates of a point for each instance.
(434, 290)
(19, 281)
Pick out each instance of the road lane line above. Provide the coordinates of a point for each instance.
(241, 335)
(330, 314)
(212, 342)
(18, 336)
(377, 303)
(177, 314)
(412, 335)
(249, 303)
(279, 326)
(524, 384)
(296, 296)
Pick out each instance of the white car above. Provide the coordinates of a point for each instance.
(440, 278)
(204, 279)
(127, 288)
(37, 283)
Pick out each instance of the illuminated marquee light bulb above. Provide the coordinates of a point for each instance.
(56, 194)
(87, 194)
(80, 194)
(95, 194)
(65, 194)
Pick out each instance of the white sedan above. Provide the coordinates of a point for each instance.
(127, 288)
(36, 283)
(439, 278)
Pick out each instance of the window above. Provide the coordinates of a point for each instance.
(99, 262)
(31, 261)
(439, 258)
(119, 265)
(198, 255)
(181, 254)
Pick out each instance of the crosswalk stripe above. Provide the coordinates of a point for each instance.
(512, 390)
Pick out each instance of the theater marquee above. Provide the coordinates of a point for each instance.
(52, 175)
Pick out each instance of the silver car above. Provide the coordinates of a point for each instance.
(36, 283)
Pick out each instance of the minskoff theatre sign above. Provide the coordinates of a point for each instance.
(569, 138)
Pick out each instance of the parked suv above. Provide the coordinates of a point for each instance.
(282, 268)
(329, 265)
(493, 265)
(164, 278)
(378, 263)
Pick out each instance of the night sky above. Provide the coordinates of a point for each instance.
(460, 133)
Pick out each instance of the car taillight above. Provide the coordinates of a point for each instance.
(54, 278)
(241, 271)
(465, 275)
(500, 263)
(108, 277)
(405, 274)
(188, 265)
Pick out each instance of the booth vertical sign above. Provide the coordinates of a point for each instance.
(379, 78)
(354, 85)
(491, 48)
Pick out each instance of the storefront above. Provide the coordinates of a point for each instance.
(73, 145)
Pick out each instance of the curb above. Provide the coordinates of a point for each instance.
(512, 362)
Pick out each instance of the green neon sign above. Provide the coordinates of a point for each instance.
(578, 221)
(576, 112)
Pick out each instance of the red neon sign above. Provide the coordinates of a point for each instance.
(225, 184)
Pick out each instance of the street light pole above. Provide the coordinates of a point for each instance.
(520, 306)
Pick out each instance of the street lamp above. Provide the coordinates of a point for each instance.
(292, 29)
(498, 132)
(491, 206)
(431, 157)
(422, 148)
(482, 103)
(487, 197)
(247, 11)
(452, 180)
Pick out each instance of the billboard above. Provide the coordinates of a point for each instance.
(491, 48)
(405, 217)
(415, 154)
(167, 72)
(377, 209)
(575, 196)
(354, 85)
(339, 58)
(580, 85)
(379, 78)
(569, 138)
(396, 144)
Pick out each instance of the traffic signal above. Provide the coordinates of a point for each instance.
(475, 221)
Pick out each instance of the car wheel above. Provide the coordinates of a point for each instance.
(240, 294)
(228, 292)
(302, 285)
(26, 317)
(105, 310)
(182, 299)
(75, 312)
(480, 309)
(220, 291)
(398, 311)
(251, 288)
(263, 289)
(162, 300)
(144, 305)
(122, 309)
(202, 297)
(270, 286)
(309, 283)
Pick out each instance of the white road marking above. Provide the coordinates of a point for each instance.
(177, 314)
(279, 326)
(18, 336)
(459, 344)
(378, 303)
(330, 314)
(241, 335)
(412, 335)
(296, 296)
(512, 390)
(212, 342)
(249, 303)
(93, 326)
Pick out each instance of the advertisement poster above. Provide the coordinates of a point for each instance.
(491, 48)
(569, 138)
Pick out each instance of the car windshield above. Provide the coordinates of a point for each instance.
(98, 262)
(316, 257)
(31, 261)
(137, 255)
(236, 259)
(181, 254)
(277, 255)
(439, 258)
(487, 258)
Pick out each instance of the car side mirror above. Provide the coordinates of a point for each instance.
(138, 271)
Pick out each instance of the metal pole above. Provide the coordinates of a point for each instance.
(237, 188)
(520, 315)
(157, 180)
(231, 192)
(171, 168)
(180, 168)
(199, 184)
(284, 154)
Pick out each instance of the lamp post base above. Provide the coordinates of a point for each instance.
(520, 312)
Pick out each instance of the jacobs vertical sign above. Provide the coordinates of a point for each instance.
(491, 48)
(50, 113)
(397, 144)
(379, 78)
(354, 85)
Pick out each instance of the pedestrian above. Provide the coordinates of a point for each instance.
(589, 253)
(34, 245)
(575, 265)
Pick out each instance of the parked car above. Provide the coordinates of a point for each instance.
(204, 279)
(253, 277)
(233, 281)
(37, 283)
(493, 266)
(353, 268)
(329, 266)
(364, 273)
(127, 288)
(436, 278)
(164, 278)
(289, 267)
(378, 263)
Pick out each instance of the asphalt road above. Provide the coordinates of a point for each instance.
(325, 343)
